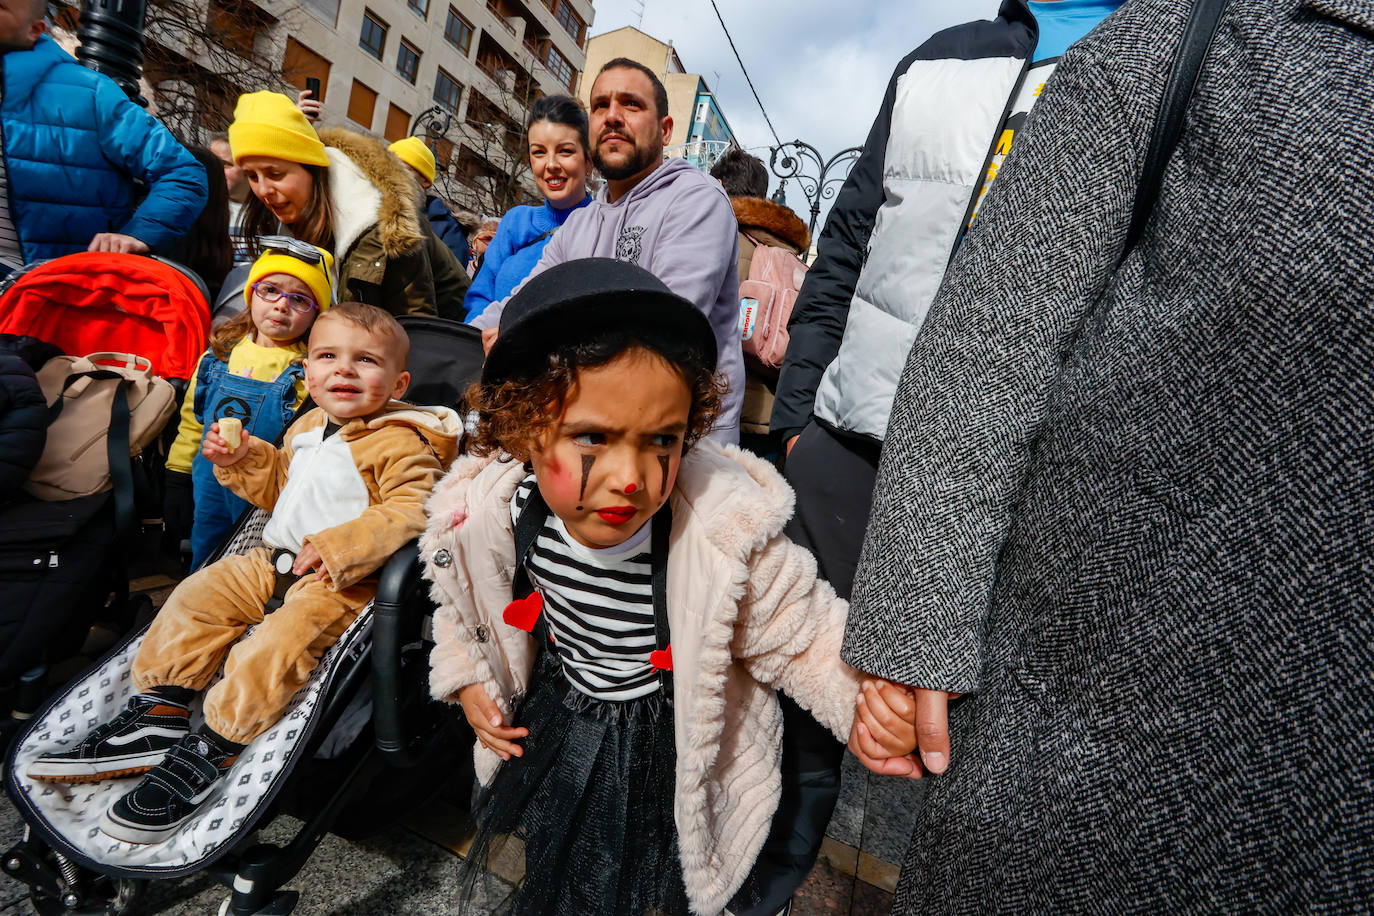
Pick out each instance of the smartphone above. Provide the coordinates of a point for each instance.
(312, 85)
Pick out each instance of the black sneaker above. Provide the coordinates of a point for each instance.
(130, 744)
(171, 792)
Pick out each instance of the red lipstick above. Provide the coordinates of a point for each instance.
(617, 515)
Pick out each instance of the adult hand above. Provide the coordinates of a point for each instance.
(216, 450)
(489, 339)
(312, 108)
(791, 442)
(485, 718)
(115, 241)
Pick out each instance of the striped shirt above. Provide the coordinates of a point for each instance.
(10, 254)
(598, 604)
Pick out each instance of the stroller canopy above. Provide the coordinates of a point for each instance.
(97, 301)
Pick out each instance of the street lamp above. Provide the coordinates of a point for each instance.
(111, 36)
(436, 122)
(788, 161)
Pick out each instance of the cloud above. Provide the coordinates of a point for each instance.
(820, 68)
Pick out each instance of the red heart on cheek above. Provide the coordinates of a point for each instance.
(522, 613)
(662, 659)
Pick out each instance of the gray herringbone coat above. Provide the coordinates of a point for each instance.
(1132, 510)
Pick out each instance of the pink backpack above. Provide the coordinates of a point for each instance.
(766, 300)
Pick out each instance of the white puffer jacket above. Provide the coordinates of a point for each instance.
(747, 614)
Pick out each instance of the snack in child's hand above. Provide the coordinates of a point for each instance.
(231, 431)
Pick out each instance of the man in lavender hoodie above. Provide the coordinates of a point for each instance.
(663, 215)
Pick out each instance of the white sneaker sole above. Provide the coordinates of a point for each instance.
(55, 769)
(131, 833)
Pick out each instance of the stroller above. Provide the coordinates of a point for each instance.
(332, 760)
(61, 557)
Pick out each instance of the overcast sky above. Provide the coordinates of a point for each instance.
(819, 67)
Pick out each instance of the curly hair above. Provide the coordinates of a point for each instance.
(513, 415)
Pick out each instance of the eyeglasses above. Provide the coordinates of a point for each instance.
(285, 244)
(270, 292)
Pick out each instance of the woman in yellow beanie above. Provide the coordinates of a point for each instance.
(345, 193)
(252, 373)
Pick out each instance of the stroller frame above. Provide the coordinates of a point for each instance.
(410, 731)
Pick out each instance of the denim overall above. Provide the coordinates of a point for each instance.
(265, 409)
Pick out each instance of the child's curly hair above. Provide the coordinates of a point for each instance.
(512, 415)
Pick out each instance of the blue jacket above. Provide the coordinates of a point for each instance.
(79, 156)
(447, 228)
(513, 252)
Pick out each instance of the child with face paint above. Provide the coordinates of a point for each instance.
(617, 603)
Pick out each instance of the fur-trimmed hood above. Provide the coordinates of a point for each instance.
(747, 615)
(369, 186)
(758, 213)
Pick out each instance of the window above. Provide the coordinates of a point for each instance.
(421, 7)
(373, 38)
(397, 124)
(568, 18)
(447, 91)
(559, 67)
(458, 31)
(361, 103)
(299, 63)
(443, 153)
(236, 24)
(408, 62)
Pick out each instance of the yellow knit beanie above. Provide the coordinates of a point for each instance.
(319, 277)
(270, 124)
(413, 152)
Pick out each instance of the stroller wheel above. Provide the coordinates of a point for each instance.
(96, 895)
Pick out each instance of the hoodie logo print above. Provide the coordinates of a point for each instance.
(629, 245)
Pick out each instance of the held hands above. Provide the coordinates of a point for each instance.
(485, 719)
(892, 722)
(216, 450)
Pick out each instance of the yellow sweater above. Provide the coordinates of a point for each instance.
(246, 359)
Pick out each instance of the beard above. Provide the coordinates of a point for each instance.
(636, 160)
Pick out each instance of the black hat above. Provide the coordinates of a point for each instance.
(580, 298)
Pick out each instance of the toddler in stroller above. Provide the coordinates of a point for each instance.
(346, 490)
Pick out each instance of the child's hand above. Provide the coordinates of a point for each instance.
(485, 719)
(309, 559)
(887, 716)
(216, 450)
(884, 721)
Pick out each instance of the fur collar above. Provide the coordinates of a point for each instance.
(753, 212)
(369, 186)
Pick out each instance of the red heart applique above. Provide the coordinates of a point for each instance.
(524, 612)
(662, 659)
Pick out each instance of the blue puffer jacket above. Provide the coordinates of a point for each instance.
(79, 155)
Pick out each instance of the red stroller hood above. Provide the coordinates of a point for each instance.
(95, 301)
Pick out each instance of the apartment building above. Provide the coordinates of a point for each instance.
(461, 73)
(701, 134)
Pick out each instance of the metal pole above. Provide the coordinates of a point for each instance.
(111, 36)
(790, 161)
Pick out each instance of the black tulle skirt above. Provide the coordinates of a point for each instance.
(592, 798)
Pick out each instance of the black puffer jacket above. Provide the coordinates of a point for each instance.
(23, 422)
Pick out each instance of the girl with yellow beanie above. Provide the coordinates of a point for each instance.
(346, 193)
(252, 373)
